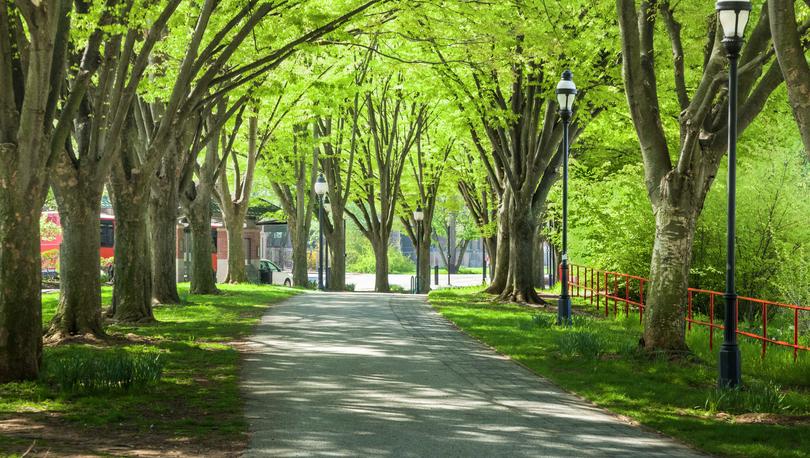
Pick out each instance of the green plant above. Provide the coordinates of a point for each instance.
(350, 286)
(753, 398)
(396, 289)
(89, 370)
(580, 342)
(544, 320)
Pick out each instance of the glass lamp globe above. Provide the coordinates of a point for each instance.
(733, 16)
(566, 91)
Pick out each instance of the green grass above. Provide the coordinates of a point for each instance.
(198, 395)
(598, 359)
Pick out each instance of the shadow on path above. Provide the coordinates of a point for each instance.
(344, 374)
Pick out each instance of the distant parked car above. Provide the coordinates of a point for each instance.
(270, 272)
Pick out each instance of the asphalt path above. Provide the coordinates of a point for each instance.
(363, 374)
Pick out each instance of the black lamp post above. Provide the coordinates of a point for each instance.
(733, 16)
(566, 93)
(327, 208)
(418, 216)
(320, 189)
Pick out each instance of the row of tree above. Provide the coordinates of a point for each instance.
(173, 104)
(127, 94)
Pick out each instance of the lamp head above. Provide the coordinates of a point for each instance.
(418, 214)
(566, 93)
(733, 16)
(320, 185)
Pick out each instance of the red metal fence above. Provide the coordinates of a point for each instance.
(617, 291)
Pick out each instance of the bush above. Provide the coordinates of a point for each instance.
(350, 286)
(396, 289)
(87, 370)
(755, 398)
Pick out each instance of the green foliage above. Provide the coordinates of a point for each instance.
(397, 289)
(754, 398)
(612, 224)
(88, 370)
(580, 342)
(772, 235)
(360, 257)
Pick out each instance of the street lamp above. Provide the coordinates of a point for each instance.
(566, 93)
(418, 216)
(320, 189)
(327, 207)
(733, 16)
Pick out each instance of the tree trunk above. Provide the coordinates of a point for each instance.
(380, 247)
(539, 260)
(236, 252)
(492, 253)
(202, 268)
(20, 293)
(337, 252)
(521, 260)
(299, 256)
(424, 259)
(789, 50)
(163, 228)
(132, 292)
(79, 310)
(665, 312)
(500, 270)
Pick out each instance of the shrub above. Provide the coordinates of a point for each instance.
(754, 398)
(350, 286)
(396, 289)
(85, 370)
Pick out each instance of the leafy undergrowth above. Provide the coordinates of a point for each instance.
(598, 358)
(190, 393)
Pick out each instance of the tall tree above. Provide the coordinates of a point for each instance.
(293, 183)
(426, 167)
(224, 66)
(502, 81)
(678, 190)
(197, 193)
(155, 129)
(337, 140)
(234, 204)
(791, 44)
(82, 166)
(392, 125)
(34, 37)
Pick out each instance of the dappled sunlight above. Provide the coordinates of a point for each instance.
(363, 374)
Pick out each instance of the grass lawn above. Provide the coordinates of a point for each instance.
(598, 359)
(195, 406)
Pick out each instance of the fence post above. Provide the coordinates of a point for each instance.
(436, 274)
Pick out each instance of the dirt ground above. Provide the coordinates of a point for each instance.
(38, 435)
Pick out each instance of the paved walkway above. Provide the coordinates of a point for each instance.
(384, 375)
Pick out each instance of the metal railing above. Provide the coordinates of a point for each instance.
(604, 288)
